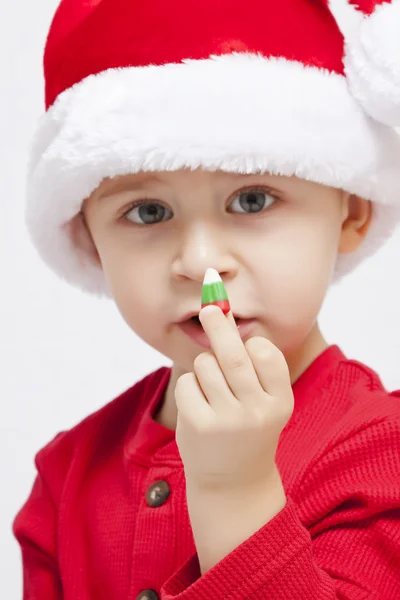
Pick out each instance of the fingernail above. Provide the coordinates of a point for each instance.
(214, 292)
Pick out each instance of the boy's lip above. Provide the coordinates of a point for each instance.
(195, 313)
(196, 333)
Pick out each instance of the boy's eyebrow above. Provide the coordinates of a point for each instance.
(115, 186)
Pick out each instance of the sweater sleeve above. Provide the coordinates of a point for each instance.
(338, 537)
(35, 528)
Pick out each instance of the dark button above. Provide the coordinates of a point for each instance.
(147, 595)
(157, 493)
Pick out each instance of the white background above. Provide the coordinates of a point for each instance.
(63, 354)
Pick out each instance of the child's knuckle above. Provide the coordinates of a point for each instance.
(202, 360)
(183, 382)
(261, 348)
(236, 360)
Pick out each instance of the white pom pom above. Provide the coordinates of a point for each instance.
(372, 63)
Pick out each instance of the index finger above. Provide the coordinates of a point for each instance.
(230, 352)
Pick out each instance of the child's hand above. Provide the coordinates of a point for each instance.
(232, 410)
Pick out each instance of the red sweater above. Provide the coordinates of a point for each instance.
(91, 529)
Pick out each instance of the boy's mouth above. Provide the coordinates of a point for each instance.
(195, 319)
(192, 327)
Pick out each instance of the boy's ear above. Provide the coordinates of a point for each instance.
(82, 239)
(357, 218)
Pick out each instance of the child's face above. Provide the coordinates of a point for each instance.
(277, 261)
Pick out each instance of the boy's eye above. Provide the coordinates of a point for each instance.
(147, 212)
(251, 201)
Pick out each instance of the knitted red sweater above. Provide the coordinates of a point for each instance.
(94, 528)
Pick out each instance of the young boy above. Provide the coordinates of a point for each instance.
(244, 138)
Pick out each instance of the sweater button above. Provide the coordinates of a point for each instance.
(147, 595)
(157, 493)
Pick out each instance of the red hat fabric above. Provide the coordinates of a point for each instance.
(249, 87)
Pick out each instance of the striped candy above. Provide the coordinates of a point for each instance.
(214, 292)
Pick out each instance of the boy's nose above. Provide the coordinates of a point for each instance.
(201, 249)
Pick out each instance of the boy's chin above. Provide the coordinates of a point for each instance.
(184, 364)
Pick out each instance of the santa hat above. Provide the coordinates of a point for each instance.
(245, 87)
